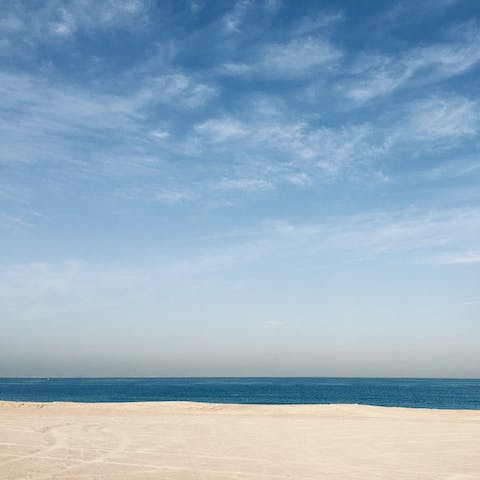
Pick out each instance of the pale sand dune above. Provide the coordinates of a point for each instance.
(204, 441)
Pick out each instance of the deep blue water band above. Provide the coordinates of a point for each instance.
(399, 392)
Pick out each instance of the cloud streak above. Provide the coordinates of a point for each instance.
(52, 21)
(376, 75)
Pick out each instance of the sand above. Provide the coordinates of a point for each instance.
(181, 440)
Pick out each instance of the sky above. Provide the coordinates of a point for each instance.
(230, 188)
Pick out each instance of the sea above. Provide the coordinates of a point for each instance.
(391, 392)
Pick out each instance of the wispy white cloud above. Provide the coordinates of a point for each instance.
(445, 117)
(43, 22)
(399, 14)
(243, 184)
(264, 146)
(298, 56)
(29, 29)
(234, 69)
(325, 149)
(160, 134)
(11, 221)
(79, 135)
(413, 235)
(196, 6)
(318, 22)
(230, 145)
(375, 75)
(436, 124)
(155, 194)
(52, 116)
(466, 257)
(175, 89)
(233, 19)
(40, 290)
(451, 169)
(294, 152)
(300, 178)
(221, 129)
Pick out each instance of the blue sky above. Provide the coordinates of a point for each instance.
(240, 188)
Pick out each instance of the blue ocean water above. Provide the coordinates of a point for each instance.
(399, 392)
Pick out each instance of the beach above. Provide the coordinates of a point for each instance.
(182, 440)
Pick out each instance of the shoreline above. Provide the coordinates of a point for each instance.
(74, 403)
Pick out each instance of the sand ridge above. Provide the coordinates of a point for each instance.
(186, 440)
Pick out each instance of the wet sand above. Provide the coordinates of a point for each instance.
(181, 440)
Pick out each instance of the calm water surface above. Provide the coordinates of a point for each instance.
(405, 392)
